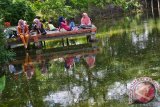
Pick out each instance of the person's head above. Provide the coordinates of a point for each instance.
(72, 19)
(20, 22)
(37, 22)
(50, 21)
(61, 19)
(43, 20)
(84, 15)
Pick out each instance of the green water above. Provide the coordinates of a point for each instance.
(86, 74)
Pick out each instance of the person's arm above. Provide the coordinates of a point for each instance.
(82, 21)
(48, 27)
(89, 21)
(18, 30)
(27, 29)
(63, 23)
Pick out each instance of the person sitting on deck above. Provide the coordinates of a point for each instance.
(36, 30)
(51, 26)
(23, 32)
(63, 24)
(85, 21)
(38, 26)
(72, 24)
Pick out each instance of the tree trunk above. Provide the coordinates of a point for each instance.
(152, 8)
(158, 7)
(146, 4)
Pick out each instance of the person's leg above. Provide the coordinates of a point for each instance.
(26, 39)
(23, 39)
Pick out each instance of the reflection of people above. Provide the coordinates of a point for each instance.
(14, 71)
(44, 67)
(12, 68)
(90, 60)
(28, 67)
(69, 62)
(144, 92)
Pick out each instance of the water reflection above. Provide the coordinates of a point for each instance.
(90, 60)
(28, 67)
(117, 91)
(140, 40)
(86, 74)
(64, 98)
(44, 67)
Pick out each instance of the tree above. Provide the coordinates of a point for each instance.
(13, 11)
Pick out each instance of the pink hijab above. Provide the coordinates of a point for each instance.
(85, 20)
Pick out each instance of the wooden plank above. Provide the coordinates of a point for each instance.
(56, 35)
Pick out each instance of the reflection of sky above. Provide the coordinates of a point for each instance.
(64, 98)
(117, 91)
(140, 40)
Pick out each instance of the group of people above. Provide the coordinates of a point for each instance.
(85, 22)
(37, 27)
(23, 30)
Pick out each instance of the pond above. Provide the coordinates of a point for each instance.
(86, 74)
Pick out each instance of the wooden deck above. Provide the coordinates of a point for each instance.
(51, 35)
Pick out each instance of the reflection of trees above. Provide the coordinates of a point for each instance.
(120, 60)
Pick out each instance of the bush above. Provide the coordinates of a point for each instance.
(5, 55)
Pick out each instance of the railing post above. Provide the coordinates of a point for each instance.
(146, 4)
(62, 42)
(67, 42)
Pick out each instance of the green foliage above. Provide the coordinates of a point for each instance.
(70, 8)
(127, 5)
(5, 55)
(13, 11)
(53, 8)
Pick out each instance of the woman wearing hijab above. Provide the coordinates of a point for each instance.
(23, 32)
(85, 21)
(63, 24)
